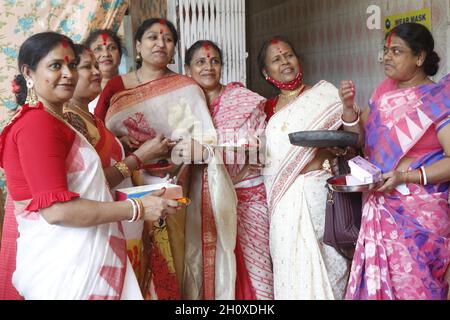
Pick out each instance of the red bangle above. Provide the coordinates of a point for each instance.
(138, 161)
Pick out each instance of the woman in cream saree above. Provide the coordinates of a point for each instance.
(303, 267)
(153, 100)
(175, 107)
(295, 179)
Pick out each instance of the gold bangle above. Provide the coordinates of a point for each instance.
(123, 169)
(141, 208)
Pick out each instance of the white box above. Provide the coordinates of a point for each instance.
(364, 171)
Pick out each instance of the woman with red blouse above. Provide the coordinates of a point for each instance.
(70, 243)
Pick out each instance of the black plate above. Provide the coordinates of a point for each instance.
(324, 138)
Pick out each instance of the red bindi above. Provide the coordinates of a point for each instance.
(67, 59)
(104, 37)
(161, 31)
(206, 47)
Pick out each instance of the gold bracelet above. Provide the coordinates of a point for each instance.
(141, 208)
(123, 169)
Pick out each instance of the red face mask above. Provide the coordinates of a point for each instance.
(291, 85)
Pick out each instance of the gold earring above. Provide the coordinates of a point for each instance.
(138, 57)
(172, 61)
(32, 98)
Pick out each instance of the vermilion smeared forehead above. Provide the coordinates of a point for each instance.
(64, 42)
(207, 48)
(104, 37)
(389, 40)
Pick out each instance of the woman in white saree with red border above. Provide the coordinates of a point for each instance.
(304, 268)
(295, 179)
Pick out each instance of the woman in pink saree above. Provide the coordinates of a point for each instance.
(238, 116)
(403, 250)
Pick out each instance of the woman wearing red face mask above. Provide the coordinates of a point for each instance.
(303, 266)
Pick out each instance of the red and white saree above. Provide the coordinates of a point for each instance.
(303, 267)
(238, 113)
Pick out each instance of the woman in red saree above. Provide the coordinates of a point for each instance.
(403, 249)
(154, 100)
(238, 117)
(105, 143)
(70, 244)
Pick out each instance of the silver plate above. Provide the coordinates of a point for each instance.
(338, 184)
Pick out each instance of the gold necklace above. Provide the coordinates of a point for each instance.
(55, 114)
(296, 92)
(284, 96)
(166, 73)
(292, 93)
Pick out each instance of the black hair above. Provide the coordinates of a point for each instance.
(93, 36)
(80, 48)
(197, 45)
(149, 22)
(32, 51)
(419, 39)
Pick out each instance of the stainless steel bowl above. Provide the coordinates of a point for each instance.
(339, 184)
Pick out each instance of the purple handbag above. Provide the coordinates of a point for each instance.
(342, 215)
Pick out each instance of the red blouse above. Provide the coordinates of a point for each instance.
(270, 107)
(112, 87)
(34, 159)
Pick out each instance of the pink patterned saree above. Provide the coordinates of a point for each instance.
(403, 250)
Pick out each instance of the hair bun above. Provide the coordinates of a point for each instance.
(21, 95)
(431, 65)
